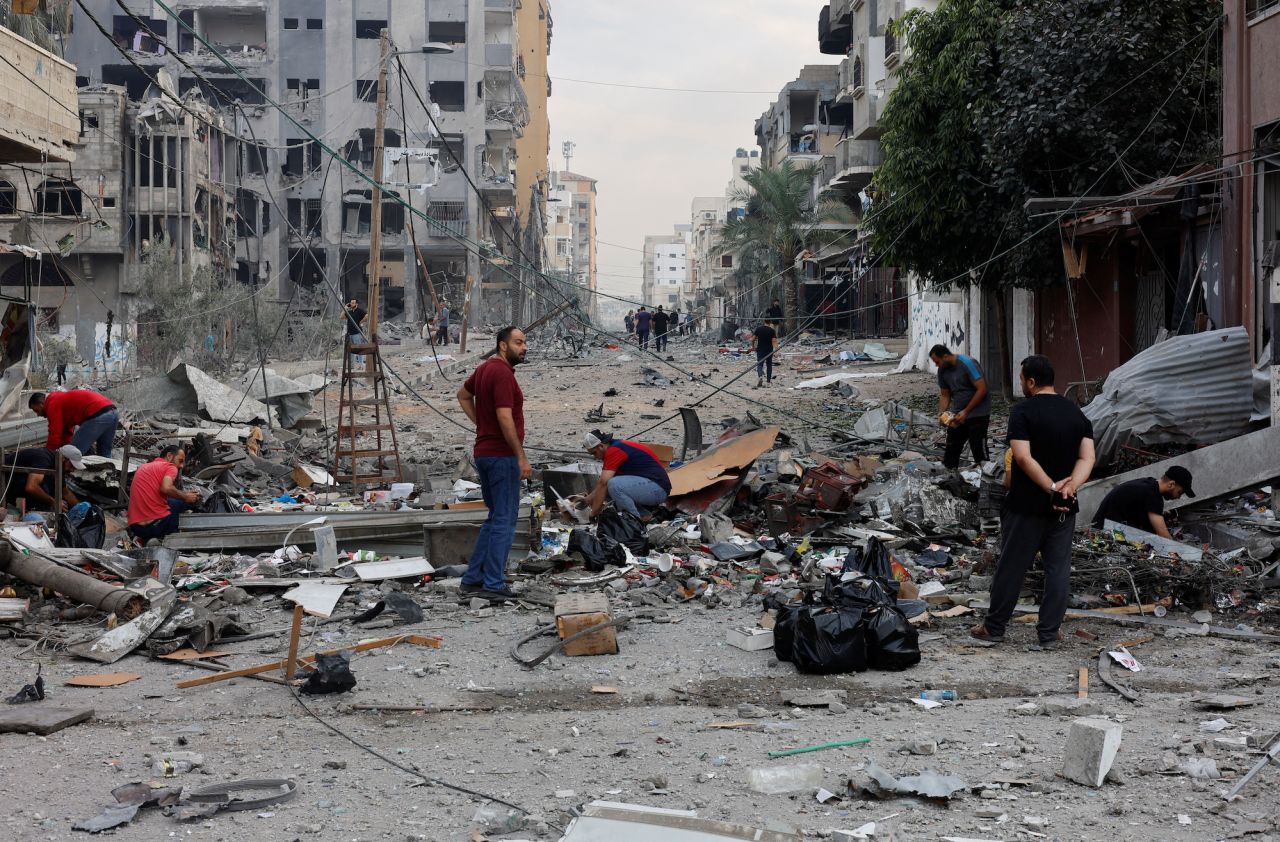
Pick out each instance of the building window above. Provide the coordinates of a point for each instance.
(890, 38)
(313, 217)
(370, 28)
(315, 23)
(450, 96)
(59, 198)
(726, 261)
(8, 199)
(447, 31)
(108, 201)
(367, 90)
(290, 23)
(857, 73)
(88, 122)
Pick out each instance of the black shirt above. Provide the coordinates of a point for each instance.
(1055, 427)
(774, 312)
(354, 317)
(1132, 503)
(660, 320)
(765, 336)
(30, 457)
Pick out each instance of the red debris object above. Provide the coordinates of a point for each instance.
(830, 487)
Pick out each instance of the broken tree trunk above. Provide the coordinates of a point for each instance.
(38, 571)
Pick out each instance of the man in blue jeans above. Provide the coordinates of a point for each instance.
(492, 399)
(633, 476)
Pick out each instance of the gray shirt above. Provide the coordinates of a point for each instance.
(961, 380)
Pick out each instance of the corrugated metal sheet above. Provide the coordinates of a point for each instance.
(1193, 389)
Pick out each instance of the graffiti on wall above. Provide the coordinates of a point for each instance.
(939, 320)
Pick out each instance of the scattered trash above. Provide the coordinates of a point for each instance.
(928, 784)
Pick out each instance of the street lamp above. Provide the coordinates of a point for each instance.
(431, 48)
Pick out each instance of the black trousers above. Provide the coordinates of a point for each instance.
(661, 337)
(1021, 537)
(972, 432)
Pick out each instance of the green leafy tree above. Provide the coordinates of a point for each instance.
(1003, 100)
(781, 221)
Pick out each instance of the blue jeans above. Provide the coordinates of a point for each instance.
(627, 493)
(97, 434)
(500, 486)
(161, 527)
(357, 360)
(762, 363)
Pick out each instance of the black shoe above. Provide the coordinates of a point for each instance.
(504, 595)
(470, 590)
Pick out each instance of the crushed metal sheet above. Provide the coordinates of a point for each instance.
(219, 402)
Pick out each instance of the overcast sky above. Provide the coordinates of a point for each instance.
(653, 151)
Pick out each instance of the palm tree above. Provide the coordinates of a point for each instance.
(781, 221)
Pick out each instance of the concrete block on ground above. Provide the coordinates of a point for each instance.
(1092, 745)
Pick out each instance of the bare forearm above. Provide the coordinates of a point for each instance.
(468, 403)
(1035, 473)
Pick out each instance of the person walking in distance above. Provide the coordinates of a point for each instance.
(661, 323)
(629, 322)
(964, 405)
(765, 342)
(355, 317)
(442, 324)
(1053, 455)
(774, 312)
(492, 399)
(644, 319)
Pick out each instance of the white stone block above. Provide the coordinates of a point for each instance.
(1092, 745)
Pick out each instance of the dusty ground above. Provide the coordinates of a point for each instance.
(532, 736)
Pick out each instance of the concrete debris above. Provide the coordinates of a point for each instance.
(1092, 746)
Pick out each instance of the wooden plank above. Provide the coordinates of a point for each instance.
(415, 639)
(295, 633)
(189, 654)
(1082, 683)
(41, 719)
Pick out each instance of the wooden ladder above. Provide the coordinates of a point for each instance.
(355, 423)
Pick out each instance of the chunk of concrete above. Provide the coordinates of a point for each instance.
(1092, 745)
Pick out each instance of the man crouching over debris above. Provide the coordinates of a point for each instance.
(492, 399)
(154, 500)
(633, 476)
(1140, 502)
(1052, 444)
(37, 489)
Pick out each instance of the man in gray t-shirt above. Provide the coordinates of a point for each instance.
(964, 405)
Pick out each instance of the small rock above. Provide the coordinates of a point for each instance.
(335, 764)
(838, 707)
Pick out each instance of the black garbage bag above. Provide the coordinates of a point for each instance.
(862, 592)
(623, 528)
(332, 675)
(88, 533)
(595, 555)
(892, 642)
(784, 630)
(219, 503)
(829, 640)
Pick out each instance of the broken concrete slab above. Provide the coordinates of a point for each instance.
(219, 402)
(635, 823)
(1092, 746)
(41, 719)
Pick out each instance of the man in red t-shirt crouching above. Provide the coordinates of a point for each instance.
(154, 501)
(633, 476)
(492, 399)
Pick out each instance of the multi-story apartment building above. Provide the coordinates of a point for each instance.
(712, 281)
(532, 149)
(666, 268)
(580, 195)
(320, 61)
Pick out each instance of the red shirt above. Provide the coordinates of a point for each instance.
(494, 386)
(146, 503)
(68, 410)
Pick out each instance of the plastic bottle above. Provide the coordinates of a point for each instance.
(938, 695)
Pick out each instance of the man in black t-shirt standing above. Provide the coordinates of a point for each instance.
(661, 321)
(765, 341)
(1140, 502)
(355, 317)
(1052, 444)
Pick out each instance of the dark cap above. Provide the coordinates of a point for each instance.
(1182, 477)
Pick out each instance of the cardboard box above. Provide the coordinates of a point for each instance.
(579, 611)
(752, 640)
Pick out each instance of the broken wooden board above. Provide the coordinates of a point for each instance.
(416, 639)
(316, 599)
(41, 719)
(603, 690)
(734, 724)
(189, 654)
(1222, 701)
(106, 679)
(722, 461)
(1190, 628)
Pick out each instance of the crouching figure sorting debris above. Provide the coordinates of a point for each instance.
(1053, 455)
(633, 476)
(155, 501)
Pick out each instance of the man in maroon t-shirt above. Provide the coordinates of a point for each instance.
(492, 399)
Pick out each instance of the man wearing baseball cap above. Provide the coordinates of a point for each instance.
(633, 476)
(1140, 502)
(37, 488)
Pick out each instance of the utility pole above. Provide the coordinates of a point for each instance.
(375, 211)
(567, 147)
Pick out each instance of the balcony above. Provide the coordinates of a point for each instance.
(852, 79)
(499, 55)
(866, 116)
(833, 38)
(33, 79)
(855, 165)
(842, 11)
